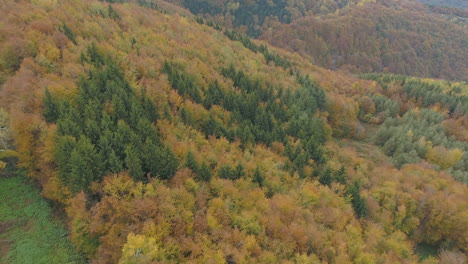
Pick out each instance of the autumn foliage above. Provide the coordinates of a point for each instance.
(167, 141)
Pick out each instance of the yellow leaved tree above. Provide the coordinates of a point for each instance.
(141, 249)
(443, 157)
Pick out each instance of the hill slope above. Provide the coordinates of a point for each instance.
(450, 3)
(166, 141)
(376, 38)
(401, 37)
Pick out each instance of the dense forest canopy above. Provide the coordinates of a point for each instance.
(376, 38)
(401, 37)
(167, 138)
(448, 3)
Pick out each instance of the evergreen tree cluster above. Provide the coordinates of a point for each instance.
(410, 138)
(230, 173)
(357, 201)
(386, 106)
(257, 114)
(419, 134)
(423, 92)
(327, 176)
(107, 128)
(68, 32)
(183, 83)
(430, 94)
(203, 172)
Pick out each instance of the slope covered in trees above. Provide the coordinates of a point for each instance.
(448, 3)
(166, 140)
(379, 38)
(403, 37)
(419, 122)
(254, 16)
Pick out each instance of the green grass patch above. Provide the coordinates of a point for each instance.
(28, 234)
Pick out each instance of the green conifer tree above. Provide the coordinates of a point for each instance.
(191, 163)
(133, 163)
(51, 111)
(341, 175)
(204, 173)
(258, 177)
(326, 177)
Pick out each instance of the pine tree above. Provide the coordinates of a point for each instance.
(95, 55)
(166, 162)
(69, 122)
(112, 13)
(92, 130)
(211, 126)
(245, 135)
(326, 177)
(167, 113)
(114, 164)
(51, 111)
(358, 203)
(85, 165)
(213, 96)
(341, 175)
(149, 155)
(300, 159)
(258, 177)
(133, 163)
(146, 131)
(69, 33)
(191, 163)
(225, 172)
(135, 113)
(65, 145)
(186, 116)
(149, 108)
(239, 172)
(204, 173)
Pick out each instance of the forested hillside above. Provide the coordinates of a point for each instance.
(168, 139)
(255, 16)
(403, 37)
(448, 3)
(379, 38)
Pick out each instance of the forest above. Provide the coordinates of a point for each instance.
(451, 3)
(157, 136)
(402, 37)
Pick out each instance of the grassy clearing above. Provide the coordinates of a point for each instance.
(28, 234)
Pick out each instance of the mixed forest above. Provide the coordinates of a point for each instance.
(450, 3)
(357, 36)
(161, 136)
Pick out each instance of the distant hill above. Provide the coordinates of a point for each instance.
(403, 37)
(380, 38)
(253, 16)
(449, 3)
